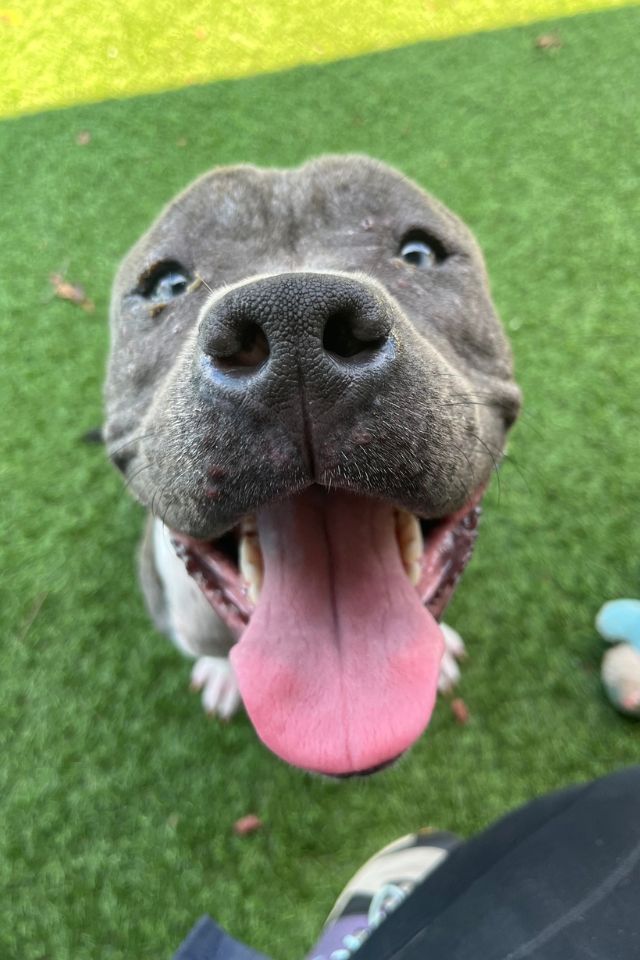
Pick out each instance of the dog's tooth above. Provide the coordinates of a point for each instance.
(253, 579)
(413, 549)
(251, 546)
(406, 525)
(253, 593)
(411, 543)
(248, 525)
(414, 572)
(404, 519)
(250, 559)
(250, 563)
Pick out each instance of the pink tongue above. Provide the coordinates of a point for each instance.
(338, 667)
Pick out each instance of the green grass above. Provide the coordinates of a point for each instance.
(117, 797)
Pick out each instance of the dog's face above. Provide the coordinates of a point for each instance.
(308, 383)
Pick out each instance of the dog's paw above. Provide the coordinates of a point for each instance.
(216, 681)
(454, 651)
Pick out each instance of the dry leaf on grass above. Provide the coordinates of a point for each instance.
(71, 291)
(246, 825)
(548, 41)
(460, 711)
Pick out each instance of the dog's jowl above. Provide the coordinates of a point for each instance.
(308, 389)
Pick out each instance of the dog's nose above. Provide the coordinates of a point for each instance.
(325, 324)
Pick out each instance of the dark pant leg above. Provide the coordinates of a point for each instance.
(558, 879)
(208, 941)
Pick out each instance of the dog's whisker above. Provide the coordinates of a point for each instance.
(492, 456)
(204, 282)
(511, 461)
(127, 443)
(129, 480)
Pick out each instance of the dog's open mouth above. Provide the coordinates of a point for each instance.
(334, 599)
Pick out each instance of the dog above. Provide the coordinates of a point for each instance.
(308, 389)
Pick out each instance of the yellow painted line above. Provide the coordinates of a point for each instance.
(59, 52)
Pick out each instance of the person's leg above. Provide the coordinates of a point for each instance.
(558, 879)
(378, 887)
(208, 941)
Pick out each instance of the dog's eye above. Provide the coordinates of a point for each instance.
(420, 250)
(164, 282)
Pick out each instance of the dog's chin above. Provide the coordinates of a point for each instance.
(334, 600)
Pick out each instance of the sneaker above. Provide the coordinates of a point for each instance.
(378, 888)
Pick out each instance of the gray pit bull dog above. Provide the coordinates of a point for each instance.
(308, 389)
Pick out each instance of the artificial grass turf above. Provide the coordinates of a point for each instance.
(146, 47)
(117, 796)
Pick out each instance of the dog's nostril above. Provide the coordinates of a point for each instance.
(252, 352)
(342, 339)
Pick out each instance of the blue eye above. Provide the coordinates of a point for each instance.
(421, 250)
(170, 286)
(418, 253)
(164, 282)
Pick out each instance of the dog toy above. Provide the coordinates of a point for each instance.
(618, 622)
